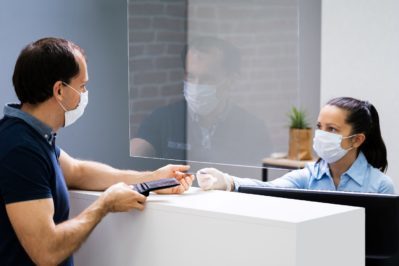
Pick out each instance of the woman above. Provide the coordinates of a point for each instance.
(352, 155)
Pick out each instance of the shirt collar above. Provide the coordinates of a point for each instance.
(323, 170)
(357, 171)
(14, 110)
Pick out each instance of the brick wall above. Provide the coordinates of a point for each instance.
(157, 36)
(265, 31)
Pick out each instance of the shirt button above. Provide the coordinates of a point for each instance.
(46, 136)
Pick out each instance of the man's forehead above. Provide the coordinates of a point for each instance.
(83, 74)
(203, 61)
(206, 54)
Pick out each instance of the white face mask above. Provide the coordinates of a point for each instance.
(328, 146)
(201, 99)
(72, 115)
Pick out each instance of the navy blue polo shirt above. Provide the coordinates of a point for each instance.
(29, 170)
(238, 137)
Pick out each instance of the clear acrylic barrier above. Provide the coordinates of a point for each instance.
(212, 81)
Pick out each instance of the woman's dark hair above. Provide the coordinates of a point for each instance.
(41, 64)
(363, 118)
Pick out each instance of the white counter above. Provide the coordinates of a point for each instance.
(223, 228)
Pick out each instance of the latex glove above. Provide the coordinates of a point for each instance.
(211, 178)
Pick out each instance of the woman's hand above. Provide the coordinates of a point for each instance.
(211, 178)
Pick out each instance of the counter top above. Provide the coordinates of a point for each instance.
(238, 205)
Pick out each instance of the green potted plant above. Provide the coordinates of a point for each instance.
(300, 136)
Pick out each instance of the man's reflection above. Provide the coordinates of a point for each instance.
(206, 125)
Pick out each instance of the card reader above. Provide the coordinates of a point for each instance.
(145, 187)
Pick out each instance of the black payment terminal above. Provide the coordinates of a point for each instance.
(145, 187)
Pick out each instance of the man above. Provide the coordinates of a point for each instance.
(207, 125)
(50, 80)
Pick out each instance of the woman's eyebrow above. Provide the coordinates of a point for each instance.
(333, 124)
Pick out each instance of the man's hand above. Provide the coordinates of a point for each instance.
(185, 184)
(48, 243)
(176, 171)
(171, 170)
(120, 198)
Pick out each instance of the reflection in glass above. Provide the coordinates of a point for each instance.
(212, 81)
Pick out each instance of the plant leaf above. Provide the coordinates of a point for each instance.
(298, 118)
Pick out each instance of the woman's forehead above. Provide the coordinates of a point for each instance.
(332, 114)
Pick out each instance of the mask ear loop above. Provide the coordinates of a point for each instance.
(59, 92)
(62, 106)
(351, 136)
(66, 84)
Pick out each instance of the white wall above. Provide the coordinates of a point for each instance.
(360, 58)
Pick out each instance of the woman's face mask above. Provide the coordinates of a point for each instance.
(201, 99)
(72, 115)
(328, 146)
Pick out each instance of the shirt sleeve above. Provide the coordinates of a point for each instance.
(387, 186)
(57, 151)
(25, 175)
(294, 179)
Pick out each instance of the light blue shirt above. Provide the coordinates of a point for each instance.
(360, 177)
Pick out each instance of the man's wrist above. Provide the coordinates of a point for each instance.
(149, 176)
(103, 206)
(135, 177)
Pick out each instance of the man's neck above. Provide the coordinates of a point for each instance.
(209, 120)
(44, 113)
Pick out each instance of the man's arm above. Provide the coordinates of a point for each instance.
(97, 176)
(49, 244)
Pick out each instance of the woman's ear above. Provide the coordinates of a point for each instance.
(358, 140)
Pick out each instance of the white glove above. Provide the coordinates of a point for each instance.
(211, 178)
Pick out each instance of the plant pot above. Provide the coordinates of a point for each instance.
(300, 144)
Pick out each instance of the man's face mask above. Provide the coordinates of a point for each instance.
(72, 115)
(201, 98)
(328, 146)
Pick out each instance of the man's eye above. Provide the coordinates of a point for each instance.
(209, 79)
(189, 77)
